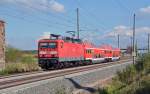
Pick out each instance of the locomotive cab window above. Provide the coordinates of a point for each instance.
(48, 45)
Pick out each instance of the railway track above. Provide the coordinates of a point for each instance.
(41, 71)
(29, 78)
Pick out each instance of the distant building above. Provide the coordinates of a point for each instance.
(2, 44)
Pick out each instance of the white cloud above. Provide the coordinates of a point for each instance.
(145, 10)
(121, 30)
(55, 6)
(127, 31)
(46, 5)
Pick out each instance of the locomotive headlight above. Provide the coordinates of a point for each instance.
(53, 52)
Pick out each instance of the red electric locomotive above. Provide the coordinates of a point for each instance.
(58, 52)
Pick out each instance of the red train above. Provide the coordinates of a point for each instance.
(59, 52)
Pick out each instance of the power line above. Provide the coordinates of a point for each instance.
(23, 17)
(27, 20)
(41, 11)
(120, 4)
(92, 15)
(84, 17)
(41, 19)
(89, 13)
(60, 17)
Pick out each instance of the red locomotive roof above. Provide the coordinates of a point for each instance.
(47, 40)
(54, 37)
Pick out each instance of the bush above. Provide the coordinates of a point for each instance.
(135, 79)
(128, 75)
(146, 64)
(13, 55)
(101, 91)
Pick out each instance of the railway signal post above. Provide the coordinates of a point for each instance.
(78, 25)
(118, 41)
(148, 42)
(134, 52)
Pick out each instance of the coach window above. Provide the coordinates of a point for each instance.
(98, 56)
(90, 51)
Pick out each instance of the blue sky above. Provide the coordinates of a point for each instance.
(100, 20)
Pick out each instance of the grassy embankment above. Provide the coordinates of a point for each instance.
(135, 79)
(18, 61)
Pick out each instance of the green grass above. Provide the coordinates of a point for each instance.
(19, 68)
(13, 55)
(18, 62)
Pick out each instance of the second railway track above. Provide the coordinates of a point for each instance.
(16, 81)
